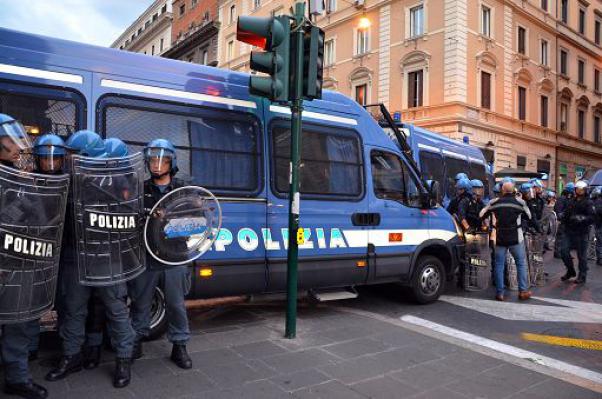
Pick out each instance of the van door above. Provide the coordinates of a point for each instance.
(334, 209)
(403, 225)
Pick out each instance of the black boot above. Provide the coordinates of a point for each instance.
(137, 350)
(580, 280)
(66, 366)
(123, 374)
(569, 275)
(91, 357)
(33, 355)
(180, 357)
(29, 390)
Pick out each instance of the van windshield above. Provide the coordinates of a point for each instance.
(454, 166)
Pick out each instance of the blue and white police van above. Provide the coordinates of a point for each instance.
(367, 214)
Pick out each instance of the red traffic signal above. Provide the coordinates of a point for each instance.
(261, 32)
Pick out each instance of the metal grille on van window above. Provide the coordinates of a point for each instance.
(40, 115)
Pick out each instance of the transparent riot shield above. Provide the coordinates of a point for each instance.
(32, 215)
(534, 244)
(477, 272)
(183, 225)
(549, 224)
(108, 212)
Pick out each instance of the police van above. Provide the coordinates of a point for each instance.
(367, 214)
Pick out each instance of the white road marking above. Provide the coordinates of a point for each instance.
(556, 368)
(569, 312)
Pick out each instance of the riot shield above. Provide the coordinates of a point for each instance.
(534, 244)
(183, 225)
(108, 212)
(477, 272)
(32, 215)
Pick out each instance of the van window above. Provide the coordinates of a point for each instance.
(331, 162)
(453, 167)
(392, 180)
(477, 171)
(42, 110)
(432, 167)
(219, 150)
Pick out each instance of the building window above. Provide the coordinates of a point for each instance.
(153, 50)
(194, 3)
(147, 24)
(139, 31)
(329, 52)
(164, 9)
(182, 9)
(361, 93)
(161, 45)
(155, 17)
(597, 127)
(230, 53)
(598, 32)
(522, 103)
(564, 11)
(417, 21)
(331, 6)
(485, 90)
(206, 16)
(582, 21)
(232, 14)
(522, 40)
(521, 162)
(415, 88)
(581, 123)
(256, 4)
(544, 52)
(597, 80)
(564, 115)
(544, 111)
(564, 62)
(581, 71)
(361, 41)
(205, 57)
(486, 21)
(544, 5)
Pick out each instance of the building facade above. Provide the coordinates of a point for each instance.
(519, 79)
(194, 32)
(151, 32)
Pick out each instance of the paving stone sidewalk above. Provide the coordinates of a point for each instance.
(240, 352)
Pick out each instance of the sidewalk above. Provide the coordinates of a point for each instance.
(239, 352)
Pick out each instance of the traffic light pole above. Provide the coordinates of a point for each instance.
(294, 196)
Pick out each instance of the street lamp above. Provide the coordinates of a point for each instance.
(364, 23)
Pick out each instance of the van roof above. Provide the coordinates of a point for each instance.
(424, 136)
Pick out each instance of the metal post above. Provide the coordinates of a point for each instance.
(294, 197)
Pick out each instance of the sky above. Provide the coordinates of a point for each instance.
(97, 22)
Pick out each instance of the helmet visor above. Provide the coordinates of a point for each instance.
(15, 145)
(158, 160)
(50, 159)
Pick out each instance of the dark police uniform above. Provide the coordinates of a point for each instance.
(176, 280)
(598, 225)
(577, 219)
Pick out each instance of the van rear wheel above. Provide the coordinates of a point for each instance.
(428, 280)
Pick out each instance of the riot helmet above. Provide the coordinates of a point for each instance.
(463, 186)
(460, 176)
(157, 154)
(526, 189)
(49, 153)
(581, 188)
(86, 143)
(15, 145)
(497, 188)
(116, 148)
(570, 188)
(477, 187)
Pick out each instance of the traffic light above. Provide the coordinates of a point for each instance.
(272, 35)
(313, 60)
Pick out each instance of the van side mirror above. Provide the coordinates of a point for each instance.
(434, 189)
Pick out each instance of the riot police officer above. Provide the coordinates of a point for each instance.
(96, 320)
(463, 188)
(577, 219)
(559, 208)
(538, 202)
(16, 338)
(527, 194)
(161, 162)
(470, 207)
(77, 296)
(597, 198)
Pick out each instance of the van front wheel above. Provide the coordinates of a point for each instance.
(428, 280)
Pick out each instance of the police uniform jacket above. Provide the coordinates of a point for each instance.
(578, 216)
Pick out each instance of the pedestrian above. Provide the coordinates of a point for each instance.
(597, 198)
(16, 338)
(76, 297)
(160, 156)
(509, 212)
(577, 219)
(463, 188)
